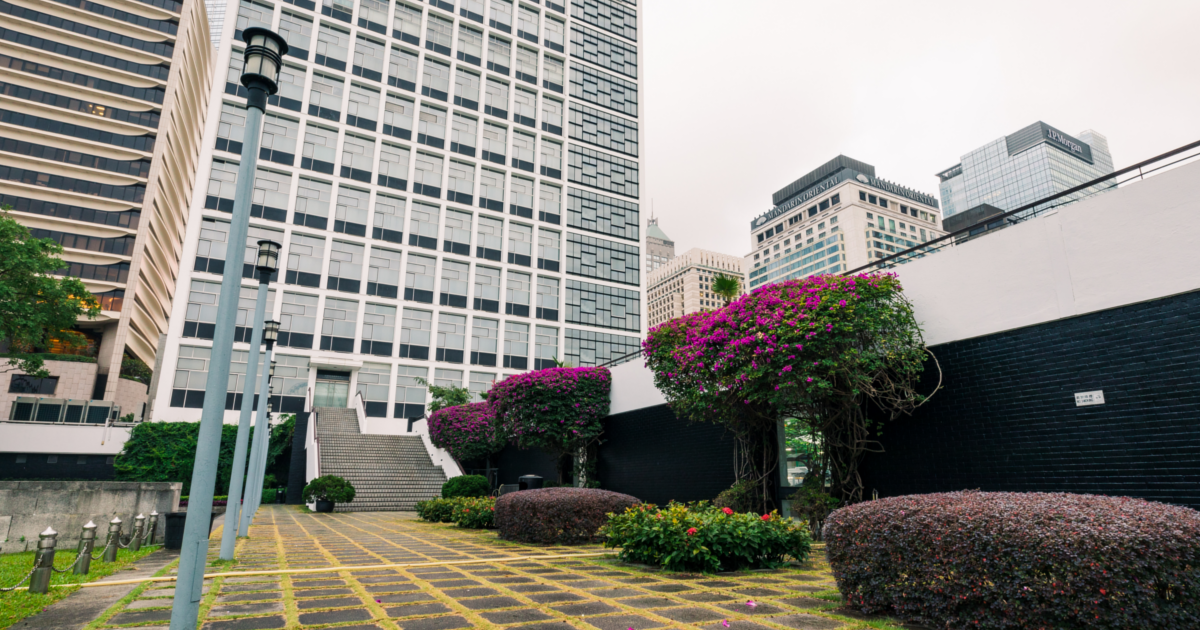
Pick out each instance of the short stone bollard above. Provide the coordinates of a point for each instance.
(153, 527)
(139, 529)
(87, 542)
(43, 564)
(114, 540)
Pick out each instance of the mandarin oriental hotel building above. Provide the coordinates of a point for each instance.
(835, 219)
(456, 187)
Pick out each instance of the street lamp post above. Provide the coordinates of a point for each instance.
(258, 452)
(263, 56)
(267, 264)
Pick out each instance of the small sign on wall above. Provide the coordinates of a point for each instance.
(1084, 399)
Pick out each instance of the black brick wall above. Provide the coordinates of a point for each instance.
(1006, 418)
(656, 457)
(37, 466)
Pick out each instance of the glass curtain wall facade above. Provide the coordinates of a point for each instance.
(428, 187)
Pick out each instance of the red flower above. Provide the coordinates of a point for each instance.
(691, 531)
(766, 517)
(727, 511)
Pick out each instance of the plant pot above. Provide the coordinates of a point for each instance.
(324, 506)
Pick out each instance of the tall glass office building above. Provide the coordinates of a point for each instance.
(456, 185)
(1021, 168)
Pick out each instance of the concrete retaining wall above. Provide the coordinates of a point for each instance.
(28, 507)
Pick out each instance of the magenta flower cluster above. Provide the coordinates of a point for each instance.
(556, 409)
(467, 432)
(782, 346)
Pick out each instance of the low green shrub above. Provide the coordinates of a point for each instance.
(705, 538)
(437, 510)
(466, 486)
(475, 512)
(742, 496)
(329, 488)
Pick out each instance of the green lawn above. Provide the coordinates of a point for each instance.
(17, 605)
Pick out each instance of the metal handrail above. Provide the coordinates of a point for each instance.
(621, 359)
(1012, 218)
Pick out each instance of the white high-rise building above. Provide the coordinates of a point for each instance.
(456, 186)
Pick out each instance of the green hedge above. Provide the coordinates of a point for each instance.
(69, 358)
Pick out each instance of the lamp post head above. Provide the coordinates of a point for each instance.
(271, 373)
(270, 333)
(263, 59)
(268, 258)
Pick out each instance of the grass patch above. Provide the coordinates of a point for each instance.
(17, 605)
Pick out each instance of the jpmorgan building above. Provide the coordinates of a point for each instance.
(1025, 166)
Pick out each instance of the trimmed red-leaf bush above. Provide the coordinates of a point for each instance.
(557, 515)
(998, 560)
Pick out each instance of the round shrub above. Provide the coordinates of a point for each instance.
(705, 538)
(557, 515)
(475, 513)
(437, 510)
(466, 486)
(329, 488)
(998, 560)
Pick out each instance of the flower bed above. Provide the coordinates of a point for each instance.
(705, 538)
(557, 515)
(469, 512)
(998, 560)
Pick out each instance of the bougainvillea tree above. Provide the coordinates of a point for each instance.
(467, 432)
(558, 410)
(824, 349)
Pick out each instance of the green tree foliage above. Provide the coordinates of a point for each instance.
(728, 287)
(446, 396)
(35, 305)
(166, 451)
(279, 450)
(134, 369)
(466, 486)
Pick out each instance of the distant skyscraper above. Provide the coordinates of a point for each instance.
(836, 218)
(659, 247)
(1020, 168)
(683, 285)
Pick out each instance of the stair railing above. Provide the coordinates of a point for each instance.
(360, 412)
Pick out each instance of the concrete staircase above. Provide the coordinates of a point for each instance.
(389, 473)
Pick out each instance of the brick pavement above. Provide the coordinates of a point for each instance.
(563, 594)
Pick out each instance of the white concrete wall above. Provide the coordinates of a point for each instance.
(62, 439)
(633, 388)
(1130, 245)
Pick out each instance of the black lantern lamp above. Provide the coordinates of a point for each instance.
(271, 374)
(263, 59)
(268, 259)
(270, 334)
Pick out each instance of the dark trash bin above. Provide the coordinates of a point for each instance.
(529, 482)
(280, 496)
(173, 539)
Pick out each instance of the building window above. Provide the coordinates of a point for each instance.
(547, 298)
(525, 107)
(211, 249)
(393, 167)
(470, 45)
(418, 279)
(222, 186)
(489, 239)
(527, 24)
(604, 51)
(435, 79)
(516, 345)
(297, 32)
(598, 213)
(460, 186)
(345, 267)
(555, 34)
(586, 348)
(279, 139)
(605, 90)
(358, 157)
(305, 257)
(520, 244)
(373, 385)
(552, 116)
(552, 159)
(338, 324)
(485, 339)
(615, 17)
(383, 273)
(491, 190)
(298, 320)
(479, 385)
(521, 198)
(487, 290)
(333, 48)
(495, 143)
(373, 15)
(451, 337)
(602, 306)
(406, 24)
(388, 221)
(379, 330)
(501, 15)
(312, 204)
(466, 89)
(410, 392)
(605, 130)
(231, 128)
(549, 244)
(463, 133)
(368, 60)
(24, 384)
(456, 238)
(545, 347)
(527, 65)
(517, 294)
(550, 209)
(599, 258)
(454, 283)
(320, 150)
(523, 151)
(191, 377)
(431, 129)
(289, 387)
(499, 55)
(554, 75)
(416, 328)
(439, 35)
(428, 178)
(398, 118)
(402, 66)
(423, 225)
(247, 300)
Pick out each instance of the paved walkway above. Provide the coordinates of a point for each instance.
(565, 594)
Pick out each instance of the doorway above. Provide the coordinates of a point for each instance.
(332, 389)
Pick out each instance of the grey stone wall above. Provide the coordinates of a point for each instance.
(28, 507)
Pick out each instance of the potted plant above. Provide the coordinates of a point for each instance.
(327, 490)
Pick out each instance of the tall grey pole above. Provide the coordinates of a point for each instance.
(229, 534)
(263, 55)
(254, 479)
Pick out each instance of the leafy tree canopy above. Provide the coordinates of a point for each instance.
(446, 396)
(467, 432)
(35, 305)
(728, 287)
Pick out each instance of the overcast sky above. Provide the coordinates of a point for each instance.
(742, 97)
